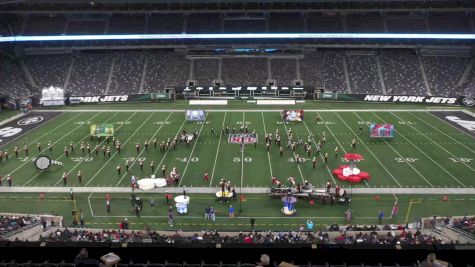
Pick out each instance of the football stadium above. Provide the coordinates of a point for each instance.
(250, 133)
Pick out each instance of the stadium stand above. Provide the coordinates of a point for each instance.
(352, 235)
(284, 71)
(400, 69)
(363, 74)
(251, 71)
(49, 70)
(401, 73)
(205, 71)
(333, 72)
(89, 75)
(13, 83)
(13, 224)
(165, 69)
(311, 68)
(394, 22)
(444, 73)
(127, 72)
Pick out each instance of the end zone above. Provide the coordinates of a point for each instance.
(24, 124)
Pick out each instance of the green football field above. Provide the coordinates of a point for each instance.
(426, 153)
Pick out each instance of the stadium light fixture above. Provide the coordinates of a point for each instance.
(217, 36)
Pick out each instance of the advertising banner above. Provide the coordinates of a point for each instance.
(109, 99)
(374, 98)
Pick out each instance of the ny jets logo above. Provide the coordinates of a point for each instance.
(30, 120)
(469, 102)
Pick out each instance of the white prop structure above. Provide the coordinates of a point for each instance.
(151, 183)
(52, 96)
(182, 204)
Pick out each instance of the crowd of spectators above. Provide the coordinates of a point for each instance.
(466, 224)
(352, 235)
(15, 222)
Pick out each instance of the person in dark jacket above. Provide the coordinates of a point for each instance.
(83, 260)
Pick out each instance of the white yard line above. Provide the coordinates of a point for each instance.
(242, 156)
(191, 154)
(449, 124)
(321, 156)
(397, 152)
(159, 166)
(84, 158)
(115, 153)
(268, 154)
(36, 140)
(136, 158)
(420, 150)
(298, 165)
(448, 152)
(90, 206)
(464, 146)
(74, 129)
(217, 150)
(367, 148)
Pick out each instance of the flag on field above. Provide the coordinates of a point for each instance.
(105, 129)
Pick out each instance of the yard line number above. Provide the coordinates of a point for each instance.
(404, 160)
(162, 122)
(464, 160)
(193, 159)
(123, 122)
(131, 159)
(246, 159)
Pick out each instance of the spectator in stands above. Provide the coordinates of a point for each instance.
(264, 261)
(431, 261)
(83, 260)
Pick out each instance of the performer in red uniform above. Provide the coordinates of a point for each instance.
(206, 177)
